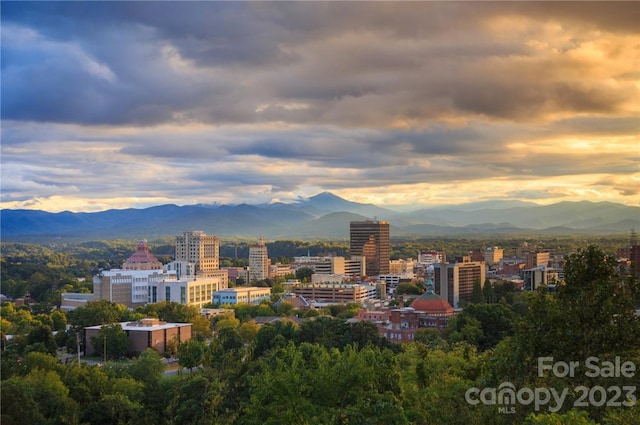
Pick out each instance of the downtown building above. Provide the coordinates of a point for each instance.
(454, 281)
(370, 239)
(196, 253)
(259, 263)
(130, 284)
(493, 255)
(191, 279)
(144, 334)
(353, 268)
(339, 293)
(242, 295)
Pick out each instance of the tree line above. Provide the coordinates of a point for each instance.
(324, 370)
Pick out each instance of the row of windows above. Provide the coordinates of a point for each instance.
(397, 336)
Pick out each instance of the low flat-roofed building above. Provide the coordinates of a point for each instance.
(338, 292)
(128, 287)
(328, 278)
(146, 333)
(72, 300)
(190, 290)
(213, 312)
(242, 295)
(281, 270)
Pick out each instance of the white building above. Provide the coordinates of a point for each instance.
(431, 257)
(242, 295)
(354, 267)
(393, 280)
(330, 266)
(189, 290)
(259, 263)
(128, 287)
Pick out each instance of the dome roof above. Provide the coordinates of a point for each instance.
(432, 303)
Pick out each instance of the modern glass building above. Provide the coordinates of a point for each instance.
(371, 239)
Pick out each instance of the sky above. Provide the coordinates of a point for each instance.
(133, 104)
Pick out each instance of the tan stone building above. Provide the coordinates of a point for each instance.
(200, 249)
(259, 263)
(454, 281)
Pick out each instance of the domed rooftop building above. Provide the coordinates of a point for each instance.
(142, 259)
(432, 304)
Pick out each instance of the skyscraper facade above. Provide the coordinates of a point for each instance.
(371, 239)
(454, 281)
(259, 263)
(200, 249)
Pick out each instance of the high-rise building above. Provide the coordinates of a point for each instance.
(143, 279)
(493, 255)
(200, 249)
(454, 281)
(370, 239)
(259, 263)
(536, 259)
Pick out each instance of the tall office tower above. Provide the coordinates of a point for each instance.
(259, 263)
(536, 259)
(198, 248)
(371, 240)
(454, 281)
(493, 255)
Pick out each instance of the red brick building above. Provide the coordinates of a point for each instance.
(428, 311)
(147, 333)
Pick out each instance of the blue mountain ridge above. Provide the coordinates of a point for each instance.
(321, 216)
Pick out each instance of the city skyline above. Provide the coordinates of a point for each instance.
(136, 104)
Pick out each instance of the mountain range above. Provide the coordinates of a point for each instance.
(323, 216)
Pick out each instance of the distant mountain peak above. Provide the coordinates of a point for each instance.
(322, 215)
(325, 196)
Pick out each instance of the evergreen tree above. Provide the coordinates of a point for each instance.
(477, 295)
(489, 292)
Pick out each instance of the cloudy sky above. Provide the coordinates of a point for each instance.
(133, 104)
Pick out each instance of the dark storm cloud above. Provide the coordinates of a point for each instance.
(269, 97)
(414, 55)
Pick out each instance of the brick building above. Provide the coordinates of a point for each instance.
(146, 333)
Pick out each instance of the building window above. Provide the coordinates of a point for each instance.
(167, 293)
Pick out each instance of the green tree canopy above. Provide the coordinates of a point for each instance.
(116, 339)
